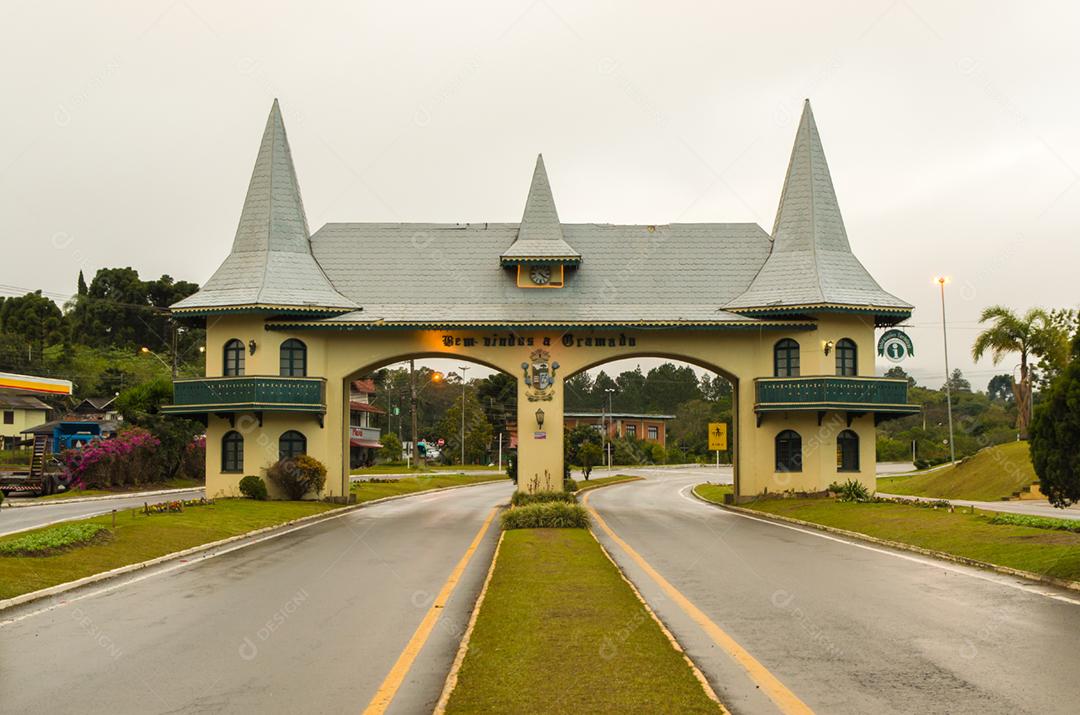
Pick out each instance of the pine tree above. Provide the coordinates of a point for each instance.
(82, 284)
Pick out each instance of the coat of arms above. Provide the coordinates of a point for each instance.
(540, 376)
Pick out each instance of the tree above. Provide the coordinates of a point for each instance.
(1055, 438)
(391, 449)
(1000, 388)
(958, 383)
(498, 396)
(478, 432)
(34, 319)
(898, 372)
(1031, 336)
(589, 455)
(82, 284)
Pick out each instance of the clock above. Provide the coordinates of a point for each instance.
(540, 275)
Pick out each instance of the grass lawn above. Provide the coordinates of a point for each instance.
(561, 632)
(366, 491)
(156, 486)
(990, 475)
(139, 537)
(714, 492)
(1041, 551)
(402, 469)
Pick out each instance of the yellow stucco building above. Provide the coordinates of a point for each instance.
(788, 317)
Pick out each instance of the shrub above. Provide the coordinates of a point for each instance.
(253, 487)
(511, 468)
(193, 459)
(523, 498)
(1037, 522)
(128, 458)
(50, 541)
(850, 490)
(298, 476)
(569, 485)
(390, 452)
(547, 515)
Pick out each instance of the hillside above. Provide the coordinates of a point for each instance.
(992, 474)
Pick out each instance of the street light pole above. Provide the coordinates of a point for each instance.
(415, 451)
(948, 376)
(463, 369)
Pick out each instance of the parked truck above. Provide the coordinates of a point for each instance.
(46, 474)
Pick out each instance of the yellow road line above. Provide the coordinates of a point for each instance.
(386, 692)
(784, 699)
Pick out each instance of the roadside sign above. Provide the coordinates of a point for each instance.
(717, 436)
(895, 346)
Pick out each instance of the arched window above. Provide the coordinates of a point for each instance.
(293, 358)
(234, 358)
(291, 444)
(786, 358)
(846, 354)
(847, 451)
(788, 451)
(232, 452)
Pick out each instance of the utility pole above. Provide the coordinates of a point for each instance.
(175, 330)
(415, 450)
(611, 421)
(463, 369)
(948, 376)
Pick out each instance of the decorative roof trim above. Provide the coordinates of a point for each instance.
(824, 307)
(263, 309)
(516, 325)
(521, 260)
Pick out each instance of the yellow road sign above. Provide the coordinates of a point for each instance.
(718, 436)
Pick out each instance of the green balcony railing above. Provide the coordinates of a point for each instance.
(853, 394)
(244, 394)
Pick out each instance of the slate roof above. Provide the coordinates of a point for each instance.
(271, 262)
(540, 234)
(441, 275)
(811, 263)
(444, 273)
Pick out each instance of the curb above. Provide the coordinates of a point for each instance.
(589, 488)
(942, 555)
(463, 648)
(283, 528)
(107, 497)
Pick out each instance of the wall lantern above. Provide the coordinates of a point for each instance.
(828, 346)
(251, 346)
(539, 417)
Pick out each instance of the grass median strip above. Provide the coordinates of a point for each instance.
(980, 536)
(587, 485)
(132, 490)
(990, 475)
(560, 631)
(139, 537)
(368, 490)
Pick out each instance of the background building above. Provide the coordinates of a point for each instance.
(364, 431)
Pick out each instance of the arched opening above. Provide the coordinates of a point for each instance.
(652, 409)
(846, 358)
(458, 418)
(293, 358)
(233, 362)
(847, 451)
(789, 451)
(232, 452)
(786, 358)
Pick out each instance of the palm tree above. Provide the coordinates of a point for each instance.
(1031, 336)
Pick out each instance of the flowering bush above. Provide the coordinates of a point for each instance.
(193, 459)
(175, 505)
(126, 459)
(298, 476)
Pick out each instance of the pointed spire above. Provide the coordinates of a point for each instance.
(271, 263)
(540, 235)
(811, 262)
(273, 216)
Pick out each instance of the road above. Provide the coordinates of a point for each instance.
(27, 517)
(846, 627)
(311, 621)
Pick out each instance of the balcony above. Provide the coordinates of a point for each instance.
(884, 396)
(229, 395)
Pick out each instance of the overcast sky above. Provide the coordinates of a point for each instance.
(951, 129)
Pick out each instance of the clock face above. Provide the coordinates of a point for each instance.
(540, 275)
